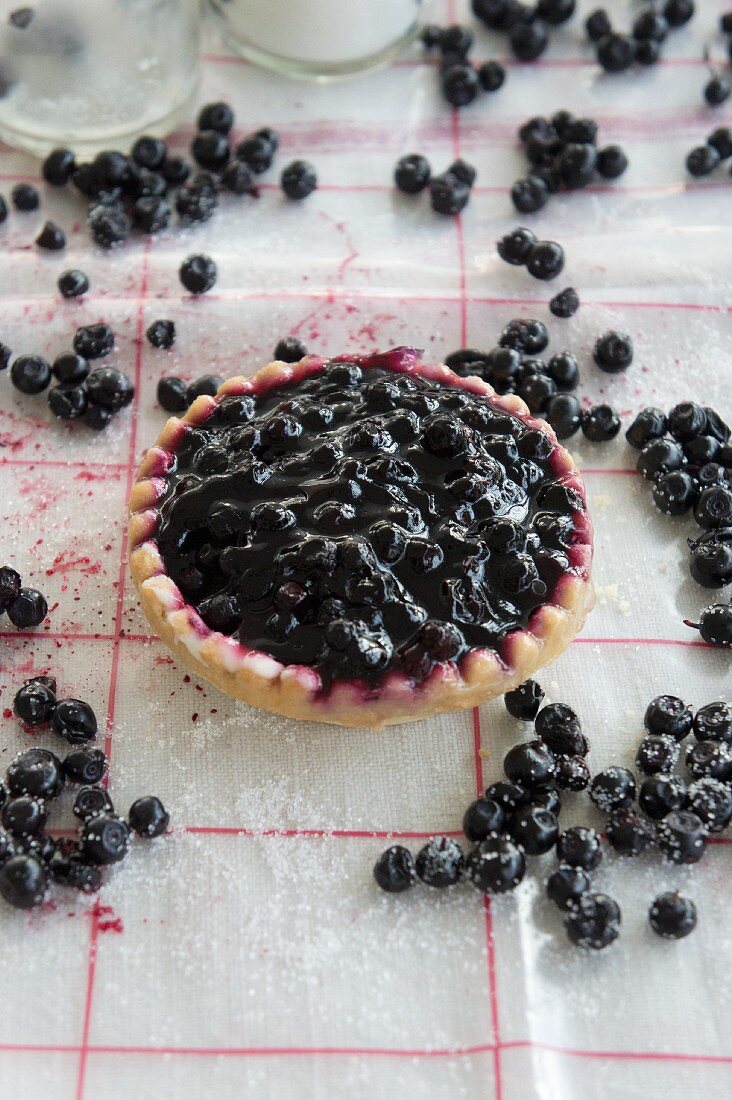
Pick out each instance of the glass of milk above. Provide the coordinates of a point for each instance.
(90, 74)
(318, 38)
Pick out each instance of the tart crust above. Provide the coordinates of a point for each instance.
(296, 690)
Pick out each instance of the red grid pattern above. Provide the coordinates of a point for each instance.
(84, 1049)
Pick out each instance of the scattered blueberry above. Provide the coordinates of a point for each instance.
(394, 870)
(161, 334)
(198, 273)
(593, 922)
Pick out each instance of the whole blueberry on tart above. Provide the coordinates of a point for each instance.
(362, 540)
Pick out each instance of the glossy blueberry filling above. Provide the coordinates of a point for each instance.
(364, 521)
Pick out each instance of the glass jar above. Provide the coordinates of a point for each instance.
(93, 73)
(318, 38)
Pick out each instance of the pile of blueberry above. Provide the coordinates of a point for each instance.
(546, 385)
(29, 858)
(25, 199)
(80, 393)
(460, 81)
(718, 89)
(25, 607)
(563, 156)
(449, 192)
(528, 28)
(139, 190)
(519, 816)
(703, 159)
(688, 457)
(175, 395)
(543, 260)
(617, 51)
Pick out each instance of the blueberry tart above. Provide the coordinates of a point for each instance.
(362, 540)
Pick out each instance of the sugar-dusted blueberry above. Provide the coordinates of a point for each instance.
(629, 832)
(657, 752)
(659, 457)
(148, 817)
(565, 304)
(580, 846)
(713, 722)
(24, 815)
(109, 226)
(34, 703)
(535, 828)
(496, 865)
(298, 179)
(524, 701)
(682, 837)
(257, 150)
(460, 83)
(483, 817)
(491, 75)
(36, 772)
(440, 862)
(715, 625)
(648, 425)
(28, 609)
(97, 417)
(710, 758)
(110, 388)
(67, 402)
(514, 247)
(73, 283)
(593, 922)
(70, 369)
(198, 273)
(613, 352)
(546, 260)
(600, 424)
(448, 194)
(30, 374)
(672, 916)
(23, 881)
(94, 341)
(661, 794)
(667, 714)
(75, 721)
(91, 801)
(85, 765)
(675, 492)
(105, 839)
(161, 334)
(711, 800)
(394, 870)
(237, 178)
(713, 508)
(508, 795)
(702, 160)
(529, 195)
(25, 197)
(51, 237)
(566, 885)
(613, 788)
(572, 773)
(530, 764)
(172, 394)
(10, 585)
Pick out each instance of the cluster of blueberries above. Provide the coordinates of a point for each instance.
(519, 816)
(543, 260)
(139, 190)
(617, 51)
(563, 155)
(703, 159)
(29, 858)
(718, 88)
(449, 192)
(175, 395)
(546, 385)
(528, 28)
(25, 198)
(688, 457)
(460, 81)
(25, 607)
(80, 393)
